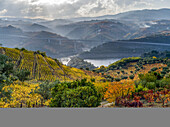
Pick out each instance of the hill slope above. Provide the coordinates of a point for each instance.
(129, 48)
(45, 68)
(53, 44)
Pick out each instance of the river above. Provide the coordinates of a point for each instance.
(95, 62)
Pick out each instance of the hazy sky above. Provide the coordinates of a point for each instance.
(74, 8)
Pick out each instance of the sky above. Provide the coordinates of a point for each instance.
(58, 9)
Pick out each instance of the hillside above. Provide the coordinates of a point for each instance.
(44, 68)
(129, 48)
(163, 37)
(53, 44)
(130, 68)
(100, 30)
(80, 63)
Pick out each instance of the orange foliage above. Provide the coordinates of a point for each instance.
(119, 89)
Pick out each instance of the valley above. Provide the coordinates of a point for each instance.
(120, 60)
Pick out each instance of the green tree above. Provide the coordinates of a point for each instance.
(6, 74)
(22, 75)
(46, 88)
(75, 94)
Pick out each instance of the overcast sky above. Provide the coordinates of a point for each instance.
(53, 9)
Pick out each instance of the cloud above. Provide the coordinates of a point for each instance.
(4, 11)
(74, 8)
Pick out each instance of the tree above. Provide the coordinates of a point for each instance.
(75, 94)
(6, 74)
(45, 89)
(132, 77)
(22, 75)
(119, 89)
(6, 70)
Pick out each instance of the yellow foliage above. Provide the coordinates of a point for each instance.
(22, 93)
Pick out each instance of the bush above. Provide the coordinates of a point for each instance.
(154, 69)
(163, 72)
(132, 77)
(22, 75)
(23, 49)
(75, 94)
(87, 68)
(93, 79)
(117, 79)
(124, 77)
(151, 85)
(45, 89)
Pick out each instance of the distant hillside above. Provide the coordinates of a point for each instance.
(156, 38)
(53, 23)
(80, 63)
(136, 15)
(45, 68)
(34, 28)
(129, 48)
(152, 27)
(10, 30)
(99, 30)
(165, 54)
(145, 15)
(24, 25)
(54, 44)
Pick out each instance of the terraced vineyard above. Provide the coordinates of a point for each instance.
(45, 68)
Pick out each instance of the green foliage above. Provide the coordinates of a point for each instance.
(151, 85)
(124, 77)
(123, 62)
(46, 88)
(93, 79)
(154, 69)
(132, 77)
(22, 74)
(22, 49)
(87, 68)
(117, 79)
(6, 75)
(6, 70)
(75, 94)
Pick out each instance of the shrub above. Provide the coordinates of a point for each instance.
(117, 79)
(151, 85)
(75, 94)
(154, 69)
(132, 77)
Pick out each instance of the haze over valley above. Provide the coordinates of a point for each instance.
(92, 38)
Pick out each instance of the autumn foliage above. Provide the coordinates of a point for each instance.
(119, 89)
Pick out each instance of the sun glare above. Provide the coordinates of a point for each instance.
(55, 1)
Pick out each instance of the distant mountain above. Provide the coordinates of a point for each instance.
(10, 30)
(25, 25)
(137, 15)
(53, 23)
(129, 48)
(98, 30)
(152, 27)
(55, 45)
(163, 37)
(34, 27)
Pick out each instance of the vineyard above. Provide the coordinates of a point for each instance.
(31, 79)
(45, 68)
